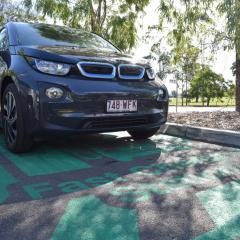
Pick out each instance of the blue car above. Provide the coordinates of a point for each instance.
(58, 80)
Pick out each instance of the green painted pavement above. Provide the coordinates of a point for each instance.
(228, 231)
(174, 147)
(223, 205)
(222, 202)
(181, 179)
(130, 151)
(168, 145)
(83, 152)
(44, 160)
(5, 179)
(88, 218)
(48, 160)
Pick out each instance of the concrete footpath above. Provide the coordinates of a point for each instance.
(180, 109)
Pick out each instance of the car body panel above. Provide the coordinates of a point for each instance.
(83, 106)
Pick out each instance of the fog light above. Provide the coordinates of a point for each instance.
(54, 92)
(160, 94)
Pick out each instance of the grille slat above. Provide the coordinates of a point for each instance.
(97, 69)
(128, 71)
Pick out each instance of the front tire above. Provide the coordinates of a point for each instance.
(16, 137)
(143, 134)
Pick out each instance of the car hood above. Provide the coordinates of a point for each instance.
(73, 55)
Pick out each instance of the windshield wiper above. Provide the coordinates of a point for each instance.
(71, 46)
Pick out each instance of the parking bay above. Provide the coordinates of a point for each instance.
(108, 186)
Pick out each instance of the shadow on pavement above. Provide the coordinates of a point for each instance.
(59, 167)
(110, 187)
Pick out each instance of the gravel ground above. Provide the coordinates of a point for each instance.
(221, 120)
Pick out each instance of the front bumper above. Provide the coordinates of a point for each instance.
(83, 106)
(86, 112)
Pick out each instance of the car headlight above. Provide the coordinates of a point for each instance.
(49, 67)
(151, 73)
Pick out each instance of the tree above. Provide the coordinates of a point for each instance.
(184, 37)
(231, 91)
(187, 17)
(208, 84)
(163, 59)
(112, 19)
(15, 11)
(230, 10)
(181, 61)
(185, 61)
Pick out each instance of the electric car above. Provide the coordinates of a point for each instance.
(58, 80)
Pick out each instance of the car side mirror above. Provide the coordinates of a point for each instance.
(5, 54)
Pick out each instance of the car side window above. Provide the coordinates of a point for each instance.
(3, 40)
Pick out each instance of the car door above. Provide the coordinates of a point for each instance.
(4, 57)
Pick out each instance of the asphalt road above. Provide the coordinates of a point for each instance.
(109, 187)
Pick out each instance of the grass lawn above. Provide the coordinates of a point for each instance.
(213, 103)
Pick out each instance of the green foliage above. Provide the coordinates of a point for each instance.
(15, 11)
(180, 60)
(195, 19)
(165, 68)
(117, 27)
(214, 102)
(231, 91)
(163, 59)
(183, 18)
(230, 9)
(208, 84)
(113, 19)
(185, 65)
(185, 59)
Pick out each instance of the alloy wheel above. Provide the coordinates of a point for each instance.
(10, 117)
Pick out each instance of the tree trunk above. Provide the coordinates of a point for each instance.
(182, 92)
(237, 82)
(186, 93)
(208, 102)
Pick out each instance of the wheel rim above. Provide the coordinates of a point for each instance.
(10, 117)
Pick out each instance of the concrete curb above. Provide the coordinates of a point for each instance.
(211, 135)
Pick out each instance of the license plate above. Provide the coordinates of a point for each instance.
(121, 105)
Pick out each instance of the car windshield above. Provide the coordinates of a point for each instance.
(51, 35)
